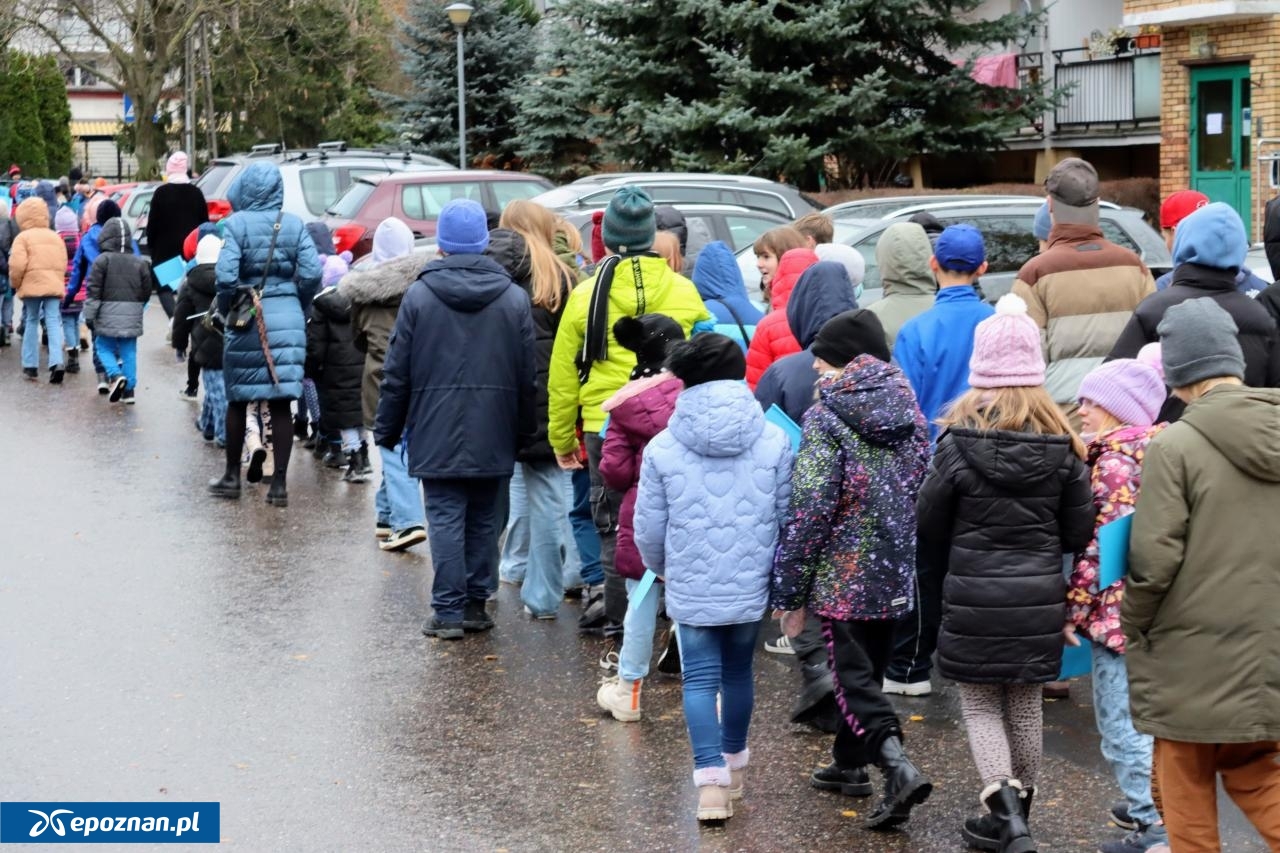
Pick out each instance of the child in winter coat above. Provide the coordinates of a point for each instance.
(338, 370)
(714, 487)
(119, 287)
(195, 300)
(848, 550)
(772, 338)
(1119, 403)
(1007, 453)
(637, 412)
(64, 222)
(37, 271)
(8, 233)
(327, 444)
(86, 253)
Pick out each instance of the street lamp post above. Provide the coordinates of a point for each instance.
(459, 15)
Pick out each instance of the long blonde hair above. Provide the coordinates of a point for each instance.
(667, 245)
(537, 226)
(1023, 409)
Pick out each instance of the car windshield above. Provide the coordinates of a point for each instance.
(559, 197)
(211, 181)
(349, 204)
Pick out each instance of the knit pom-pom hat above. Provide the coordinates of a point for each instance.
(1006, 348)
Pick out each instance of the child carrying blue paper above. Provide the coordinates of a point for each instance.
(1119, 402)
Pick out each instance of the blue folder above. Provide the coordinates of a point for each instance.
(1076, 660)
(170, 272)
(780, 418)
(1113, 550)
(642, 590)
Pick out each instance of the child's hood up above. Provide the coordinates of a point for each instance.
(32, 213)
(115, 236)
(717, 419)
(1243, 424)
(903, 253)
(874, 400)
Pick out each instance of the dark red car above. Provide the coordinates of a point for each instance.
(417, 198)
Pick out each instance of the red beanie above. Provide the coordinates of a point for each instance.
(598, 251)
(189, 244)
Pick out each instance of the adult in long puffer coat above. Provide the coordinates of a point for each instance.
(258, 369)
(338, 370)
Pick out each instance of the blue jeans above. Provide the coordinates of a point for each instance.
(213, 411)
(71, 330)
(584, 530)
(463, 524)
(513, 563)
(717, 659)
(118, 355)
(6, 308)
(543, 586)
(49, 309)
(1127, 751)
(398, 501)
(637, 633)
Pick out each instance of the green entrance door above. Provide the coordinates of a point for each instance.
(1220, 143)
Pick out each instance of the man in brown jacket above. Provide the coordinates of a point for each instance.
(38, 269)
(1199, 613)
(1082, 290)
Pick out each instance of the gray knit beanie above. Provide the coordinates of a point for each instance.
(1197, 342)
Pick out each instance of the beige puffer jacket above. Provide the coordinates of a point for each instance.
(38, 260)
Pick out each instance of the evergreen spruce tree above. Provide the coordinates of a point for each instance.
(55, 115)
(499, 50)
(21, 131)
(787, 88)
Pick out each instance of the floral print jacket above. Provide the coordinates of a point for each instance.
(1115, 459)
(848, 545)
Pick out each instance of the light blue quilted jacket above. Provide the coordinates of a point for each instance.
(714, 489)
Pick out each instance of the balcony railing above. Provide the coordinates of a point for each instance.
(1120, 91)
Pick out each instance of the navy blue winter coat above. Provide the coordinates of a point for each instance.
(719, 283)
(458, 382)
(292, 280)
(823, 291)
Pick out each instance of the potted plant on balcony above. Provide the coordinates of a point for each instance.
(1121, 40)
(1148, 37)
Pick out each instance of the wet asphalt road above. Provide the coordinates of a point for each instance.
(156, 644)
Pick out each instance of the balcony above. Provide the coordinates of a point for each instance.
(1180, 13)
(1120, 92)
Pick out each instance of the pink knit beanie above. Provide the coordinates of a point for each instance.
(177, 164)
(1130, 390)
(1006, 348)
(1150, 356)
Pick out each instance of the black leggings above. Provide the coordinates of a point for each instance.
(282, 446)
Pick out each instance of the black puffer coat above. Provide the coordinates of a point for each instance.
(334, 362)
(196, 297)
(997, 511)
(508, 249)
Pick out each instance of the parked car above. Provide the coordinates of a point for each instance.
(417, 198)
(1006, 228)
(135, 204)
(683, 187)
(1257, 261)
(314, 178)
(850, 217)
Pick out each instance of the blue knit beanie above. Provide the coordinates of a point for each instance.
(463, 228)
(629, 226)
(1212, 236)
(1043, 224)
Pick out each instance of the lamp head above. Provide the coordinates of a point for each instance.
(459, 14)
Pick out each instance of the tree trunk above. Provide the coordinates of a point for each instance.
(148, 139)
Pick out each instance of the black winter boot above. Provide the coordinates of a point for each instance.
(904, 786)
(365, 467)
(983, 833)
(228, 485)
(333, 456)
(300, 426)
(73, 361)
(278, 495)
(353, 474)
(1009, 810)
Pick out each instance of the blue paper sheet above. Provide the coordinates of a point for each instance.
(1113, 550)
(780, 418)
(1076, 660)
(640, 592)
(170, 272)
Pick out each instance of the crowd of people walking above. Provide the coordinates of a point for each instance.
(926, 478)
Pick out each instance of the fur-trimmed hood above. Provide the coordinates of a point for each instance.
(386, 282)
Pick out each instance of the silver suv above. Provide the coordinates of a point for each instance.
(314, 178)
(683, 188)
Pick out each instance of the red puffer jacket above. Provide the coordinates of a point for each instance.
(637, 412)
(773, 339)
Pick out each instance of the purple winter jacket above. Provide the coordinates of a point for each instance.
(639, 411)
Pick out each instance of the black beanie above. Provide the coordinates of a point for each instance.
(108, 209)
(648, 336)
(846, 336)
(707, 358)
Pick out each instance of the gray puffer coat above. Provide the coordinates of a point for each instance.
(119, 285)
(290, 282)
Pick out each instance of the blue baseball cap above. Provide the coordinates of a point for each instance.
(960, 249)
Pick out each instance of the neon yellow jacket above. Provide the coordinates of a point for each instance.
(665, 292)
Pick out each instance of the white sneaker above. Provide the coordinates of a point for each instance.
(914, 688)
(780, 646)
(620, 698)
